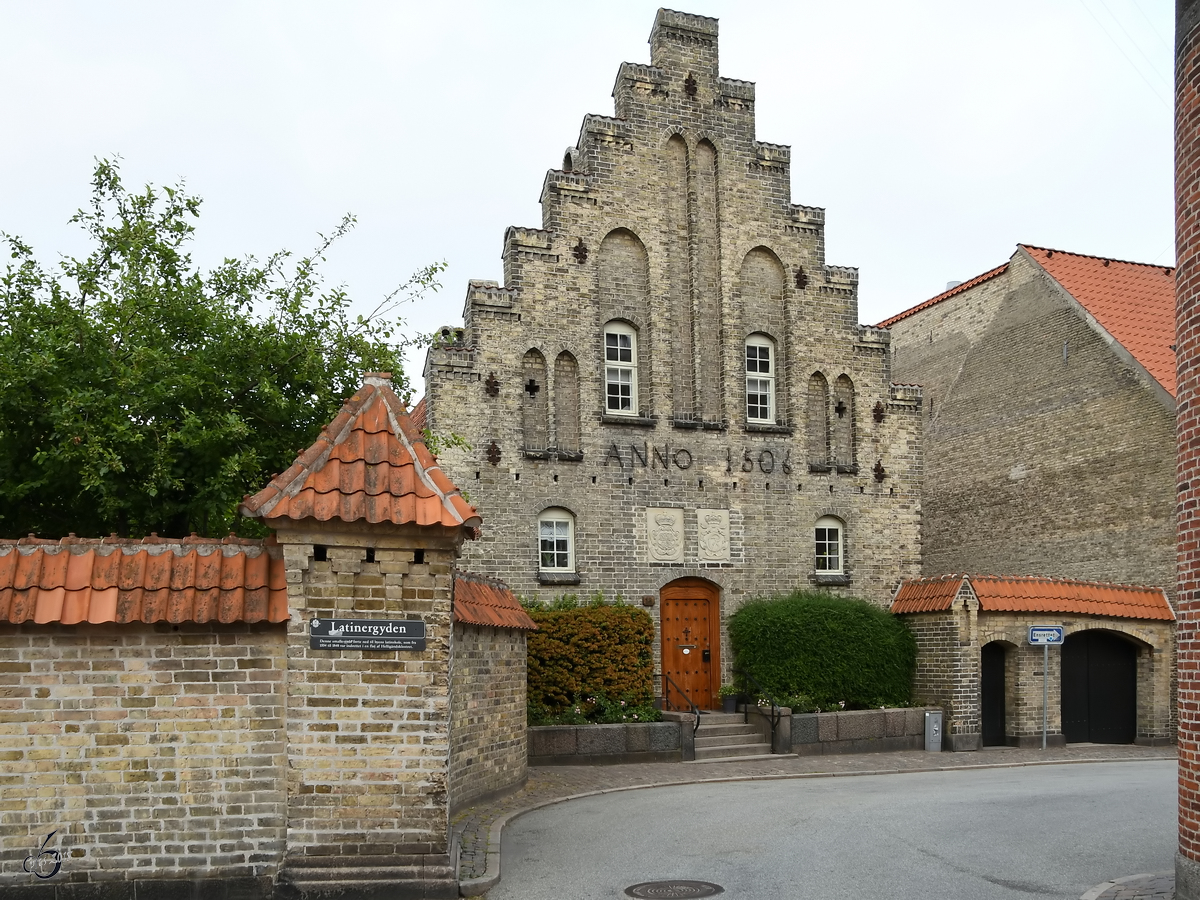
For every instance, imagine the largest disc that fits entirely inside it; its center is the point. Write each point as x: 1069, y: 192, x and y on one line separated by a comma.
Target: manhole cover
x: 674, y: 889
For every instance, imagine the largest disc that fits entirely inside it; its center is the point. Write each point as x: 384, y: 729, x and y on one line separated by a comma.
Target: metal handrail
x: 776, y: 715
x: 667, y: 699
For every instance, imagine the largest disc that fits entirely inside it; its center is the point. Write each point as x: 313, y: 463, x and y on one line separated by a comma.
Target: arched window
x: 830, y: 559
x: 760, y: 379
x: 556, y: 540
x: 620, y: 370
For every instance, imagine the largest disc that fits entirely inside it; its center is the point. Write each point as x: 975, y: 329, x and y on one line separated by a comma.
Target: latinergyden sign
x: 366, y: 634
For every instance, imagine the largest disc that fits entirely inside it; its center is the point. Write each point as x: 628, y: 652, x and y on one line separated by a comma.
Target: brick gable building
x: 1049, y: 385
x: 670, y: 397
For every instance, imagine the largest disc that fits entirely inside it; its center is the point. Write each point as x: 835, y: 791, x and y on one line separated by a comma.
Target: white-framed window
x: 830, y: 558
x: 620, y: 370
x: 556, y: 540
x: 760, y: 379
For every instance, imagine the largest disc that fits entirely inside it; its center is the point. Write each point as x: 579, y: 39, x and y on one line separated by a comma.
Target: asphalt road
x: 988, y: 834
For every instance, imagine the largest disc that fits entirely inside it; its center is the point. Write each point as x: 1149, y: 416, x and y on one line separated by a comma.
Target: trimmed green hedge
x: 825, y: 651
x: 590, y: 663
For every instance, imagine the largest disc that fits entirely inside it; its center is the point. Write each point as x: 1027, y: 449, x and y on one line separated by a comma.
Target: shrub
x: 825, y: 651
x: 590, y: 658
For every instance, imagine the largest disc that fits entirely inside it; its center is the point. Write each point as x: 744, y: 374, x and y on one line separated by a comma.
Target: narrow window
x: 829, y: 559
x: 620, y: 370
x: 760, y: 379
x: 556, y: 541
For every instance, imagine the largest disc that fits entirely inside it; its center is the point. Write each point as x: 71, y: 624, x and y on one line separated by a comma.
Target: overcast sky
x: 937, y: 135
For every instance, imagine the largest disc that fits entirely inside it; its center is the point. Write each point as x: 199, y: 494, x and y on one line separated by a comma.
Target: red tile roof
x: 485, y: 601
x: 369, y: 464
x: 957, y: 289
x: 1134, y: 302
x: 112, y: 580
x: 1034, y: 593
x: 926, y: 594
x: 420, y: 415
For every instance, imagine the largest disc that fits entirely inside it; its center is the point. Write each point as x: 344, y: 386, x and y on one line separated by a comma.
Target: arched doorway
x: 1099, y: 688
x: 992, y: 694
x: 690, y: 631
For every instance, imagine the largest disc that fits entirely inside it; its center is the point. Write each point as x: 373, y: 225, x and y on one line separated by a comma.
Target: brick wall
x: 155, y: 751
x: 368, y: 732
x: 488, y: 734
x: 1045, y: 451
x: 1187, y: 280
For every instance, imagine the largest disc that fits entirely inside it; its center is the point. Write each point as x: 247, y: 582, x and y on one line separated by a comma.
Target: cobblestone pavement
x: 478, y: 828
x: 1135, y: 887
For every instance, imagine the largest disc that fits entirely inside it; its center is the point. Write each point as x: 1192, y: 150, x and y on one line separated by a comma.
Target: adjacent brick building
x: 1049, y: 386
x: 165, y: 712
x: 670, y: 398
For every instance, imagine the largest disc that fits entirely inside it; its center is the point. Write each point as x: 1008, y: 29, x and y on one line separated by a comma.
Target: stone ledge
x: 574, y: 745
x: 858, y: 731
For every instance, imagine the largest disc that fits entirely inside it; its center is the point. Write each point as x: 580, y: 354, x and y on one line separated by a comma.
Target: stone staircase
x: 727, y: 736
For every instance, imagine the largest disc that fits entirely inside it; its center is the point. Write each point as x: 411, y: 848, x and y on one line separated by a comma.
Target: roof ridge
x: 945, y: 295
x: 1127, y: 262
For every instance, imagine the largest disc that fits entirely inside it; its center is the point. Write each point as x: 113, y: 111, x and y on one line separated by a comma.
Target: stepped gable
x: 488, y: 601
x: 196, y: 579
x: 1035, y: 593
x: 370, y: 464
x: 1133, y: 302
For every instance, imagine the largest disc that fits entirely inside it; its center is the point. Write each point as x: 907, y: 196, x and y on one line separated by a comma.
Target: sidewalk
x: 478, y: 828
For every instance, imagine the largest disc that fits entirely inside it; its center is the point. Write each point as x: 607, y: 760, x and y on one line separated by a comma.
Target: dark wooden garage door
x: 1099, y: 689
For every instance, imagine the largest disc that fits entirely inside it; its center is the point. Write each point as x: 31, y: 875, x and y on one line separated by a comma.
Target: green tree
x: 139, y: 394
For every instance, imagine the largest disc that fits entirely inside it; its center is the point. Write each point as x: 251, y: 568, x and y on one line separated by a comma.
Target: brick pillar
x: 1187, y: 280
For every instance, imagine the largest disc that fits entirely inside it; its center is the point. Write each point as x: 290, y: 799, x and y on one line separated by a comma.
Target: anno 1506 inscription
x: 764, y: 459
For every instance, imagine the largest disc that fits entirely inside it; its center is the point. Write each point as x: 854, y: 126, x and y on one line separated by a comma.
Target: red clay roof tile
x: 1035, y: 593
x: 486, y: 601
x: 926, y: 594
x: 1134, y: 302
x: 369, y: 464
x: 79, y: 580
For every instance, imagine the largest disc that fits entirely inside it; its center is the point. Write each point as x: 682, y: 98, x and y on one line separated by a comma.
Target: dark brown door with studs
x: 690, y: 631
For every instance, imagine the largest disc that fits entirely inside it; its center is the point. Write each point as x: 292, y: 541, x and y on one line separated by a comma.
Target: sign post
x: 1045, y: 635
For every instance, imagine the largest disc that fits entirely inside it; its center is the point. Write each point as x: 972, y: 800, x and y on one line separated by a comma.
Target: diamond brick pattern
x: 78, y: 580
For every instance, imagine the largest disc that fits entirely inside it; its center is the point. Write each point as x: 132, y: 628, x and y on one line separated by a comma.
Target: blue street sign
x: 1044, y: 635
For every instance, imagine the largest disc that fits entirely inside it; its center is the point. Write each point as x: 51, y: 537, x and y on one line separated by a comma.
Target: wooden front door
x: 690, y: 628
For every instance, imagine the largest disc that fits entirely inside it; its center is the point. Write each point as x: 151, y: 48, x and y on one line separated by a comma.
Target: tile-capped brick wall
x: 488, y: 734
x: 156, y: 751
